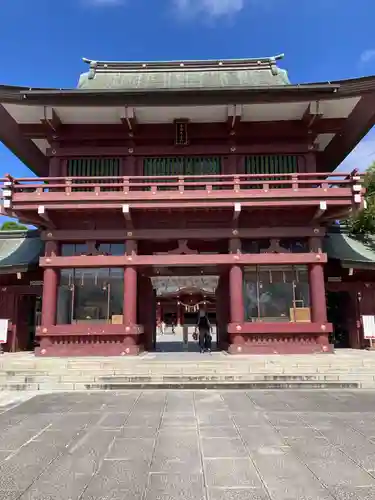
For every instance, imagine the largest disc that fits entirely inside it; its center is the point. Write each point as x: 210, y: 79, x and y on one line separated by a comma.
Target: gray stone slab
x: 114, y: 420
x: 4, y: 455
x: 219, y: 432
x: 292, y: 492
x: 10, y: 495
x: 138, y: 431
x: 146, y: 419
x: 70, y: 486
x: 116, y: 480
x: 276, y: 465
x: 256, y: 438
x: 231, y: 473
x: 150, y: 445
x: 132, y: 450
x: 176, y: 453
x: 238, y: 494
x: 184, y: 421
x: 212, y: 418
x: 341, y: 473
x: 185, y: 486
x: 223, y: 447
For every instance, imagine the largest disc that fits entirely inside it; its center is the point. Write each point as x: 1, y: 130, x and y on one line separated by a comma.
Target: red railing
x: 154, y: 184
x: 339, y: 188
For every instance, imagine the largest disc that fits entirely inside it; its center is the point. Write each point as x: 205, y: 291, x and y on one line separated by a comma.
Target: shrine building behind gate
x: 189, y: 168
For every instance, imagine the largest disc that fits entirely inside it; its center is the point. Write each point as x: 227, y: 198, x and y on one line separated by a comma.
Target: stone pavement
x: 190, y: 445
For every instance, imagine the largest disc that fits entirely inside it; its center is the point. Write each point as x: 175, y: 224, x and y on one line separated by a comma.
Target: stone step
x: 183, y: 385
x: 20, y: 379
x: 194, y: 380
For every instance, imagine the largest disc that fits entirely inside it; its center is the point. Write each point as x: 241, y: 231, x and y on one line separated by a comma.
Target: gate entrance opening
x: 178, y: 302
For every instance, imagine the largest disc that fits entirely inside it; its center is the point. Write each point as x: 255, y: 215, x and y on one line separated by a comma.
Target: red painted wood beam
x: 168, y: 150
x: 12, y: 137
x: 166, y: 131
x: 51, y: 121
x: 181, y: 260
x: 189, y: 234
x: 129, y: 120
x: 259, y: 328
x: 165, y: 199
x: 359, y: 122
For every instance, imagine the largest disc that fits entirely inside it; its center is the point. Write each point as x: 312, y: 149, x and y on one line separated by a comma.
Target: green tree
x: 363, y: 222
x: 11, y: 225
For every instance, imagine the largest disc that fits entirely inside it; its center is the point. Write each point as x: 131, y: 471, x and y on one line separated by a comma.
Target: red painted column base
x: 283, y: 338
x: 72, y: 347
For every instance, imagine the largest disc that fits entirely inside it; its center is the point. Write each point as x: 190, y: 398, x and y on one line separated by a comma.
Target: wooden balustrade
x: 226, y: 186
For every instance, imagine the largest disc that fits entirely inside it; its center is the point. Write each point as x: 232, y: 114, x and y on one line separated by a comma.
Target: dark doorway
x: 27, y: 318
x: 338, y: 305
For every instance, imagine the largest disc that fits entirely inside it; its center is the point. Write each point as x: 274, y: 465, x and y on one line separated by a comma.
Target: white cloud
x: 367, y: 56
x: 214, y: 8
x: 362, y: 156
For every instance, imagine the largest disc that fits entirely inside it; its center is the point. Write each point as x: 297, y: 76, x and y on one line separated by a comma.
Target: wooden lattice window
x: 184, y: 166
x: 95, y: 167
x: 271, y: 165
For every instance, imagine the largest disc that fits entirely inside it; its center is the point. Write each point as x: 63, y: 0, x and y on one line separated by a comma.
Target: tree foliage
x: 364, y: 222
x: 11, y: 225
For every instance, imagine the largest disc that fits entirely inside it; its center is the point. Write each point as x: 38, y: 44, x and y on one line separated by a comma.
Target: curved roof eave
x: 134, y: 96
x: 342, y: 88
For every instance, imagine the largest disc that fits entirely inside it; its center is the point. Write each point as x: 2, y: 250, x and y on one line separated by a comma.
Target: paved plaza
x: 190, y: 445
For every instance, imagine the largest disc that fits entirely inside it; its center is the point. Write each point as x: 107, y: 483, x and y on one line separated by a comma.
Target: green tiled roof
x: 19, y: 250
x: 183, y: 75
x: 352, y: 252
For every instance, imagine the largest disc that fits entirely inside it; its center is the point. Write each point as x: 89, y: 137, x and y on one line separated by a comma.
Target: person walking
x: 204, y: 328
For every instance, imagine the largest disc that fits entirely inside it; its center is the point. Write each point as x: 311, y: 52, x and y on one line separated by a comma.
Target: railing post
x: 126, y: 186
x: 68, y: 186
x: 295, y: 182
x: 181, y: 184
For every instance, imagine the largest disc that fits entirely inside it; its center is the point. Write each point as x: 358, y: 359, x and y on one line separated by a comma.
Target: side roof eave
x: 358, y: 253
x: 19, y: 251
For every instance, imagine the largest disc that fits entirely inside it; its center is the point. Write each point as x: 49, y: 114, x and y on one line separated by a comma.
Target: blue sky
x: 42, y: 42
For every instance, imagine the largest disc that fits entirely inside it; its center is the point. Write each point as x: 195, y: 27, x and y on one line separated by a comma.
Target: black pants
x: 204, y: 339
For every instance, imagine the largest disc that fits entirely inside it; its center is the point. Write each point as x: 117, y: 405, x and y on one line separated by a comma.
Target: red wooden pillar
x: 318, y: 299
x: 236, y: 295
x: 50, y: 282
x: 130, y: 296
x: 130, y: 288
x: 179, y: 315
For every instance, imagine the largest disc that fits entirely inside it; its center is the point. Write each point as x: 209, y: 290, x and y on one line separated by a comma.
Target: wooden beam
x: 43, y: 214
x: 320, y: 211
x: 234, y: 117
x: 359, y: 122
x: 12, y: 137
x: 312, y: 115
x: 189, y: 234
x: 51, y: 120
x: 236, y: 211
x: 128, y: 118
x: 166, y: 131
x: 127, y: 214
x: 168, y: 150
x: 183, y: 260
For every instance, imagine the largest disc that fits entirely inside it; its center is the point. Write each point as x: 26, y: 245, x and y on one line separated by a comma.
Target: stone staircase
x: 344, y: 369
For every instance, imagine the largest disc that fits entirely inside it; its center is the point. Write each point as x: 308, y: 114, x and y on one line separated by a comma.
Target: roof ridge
x: 187, y: 64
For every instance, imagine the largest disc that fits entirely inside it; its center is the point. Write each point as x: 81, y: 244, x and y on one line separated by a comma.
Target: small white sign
x: 4, y: 324
x: 368, y: 327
